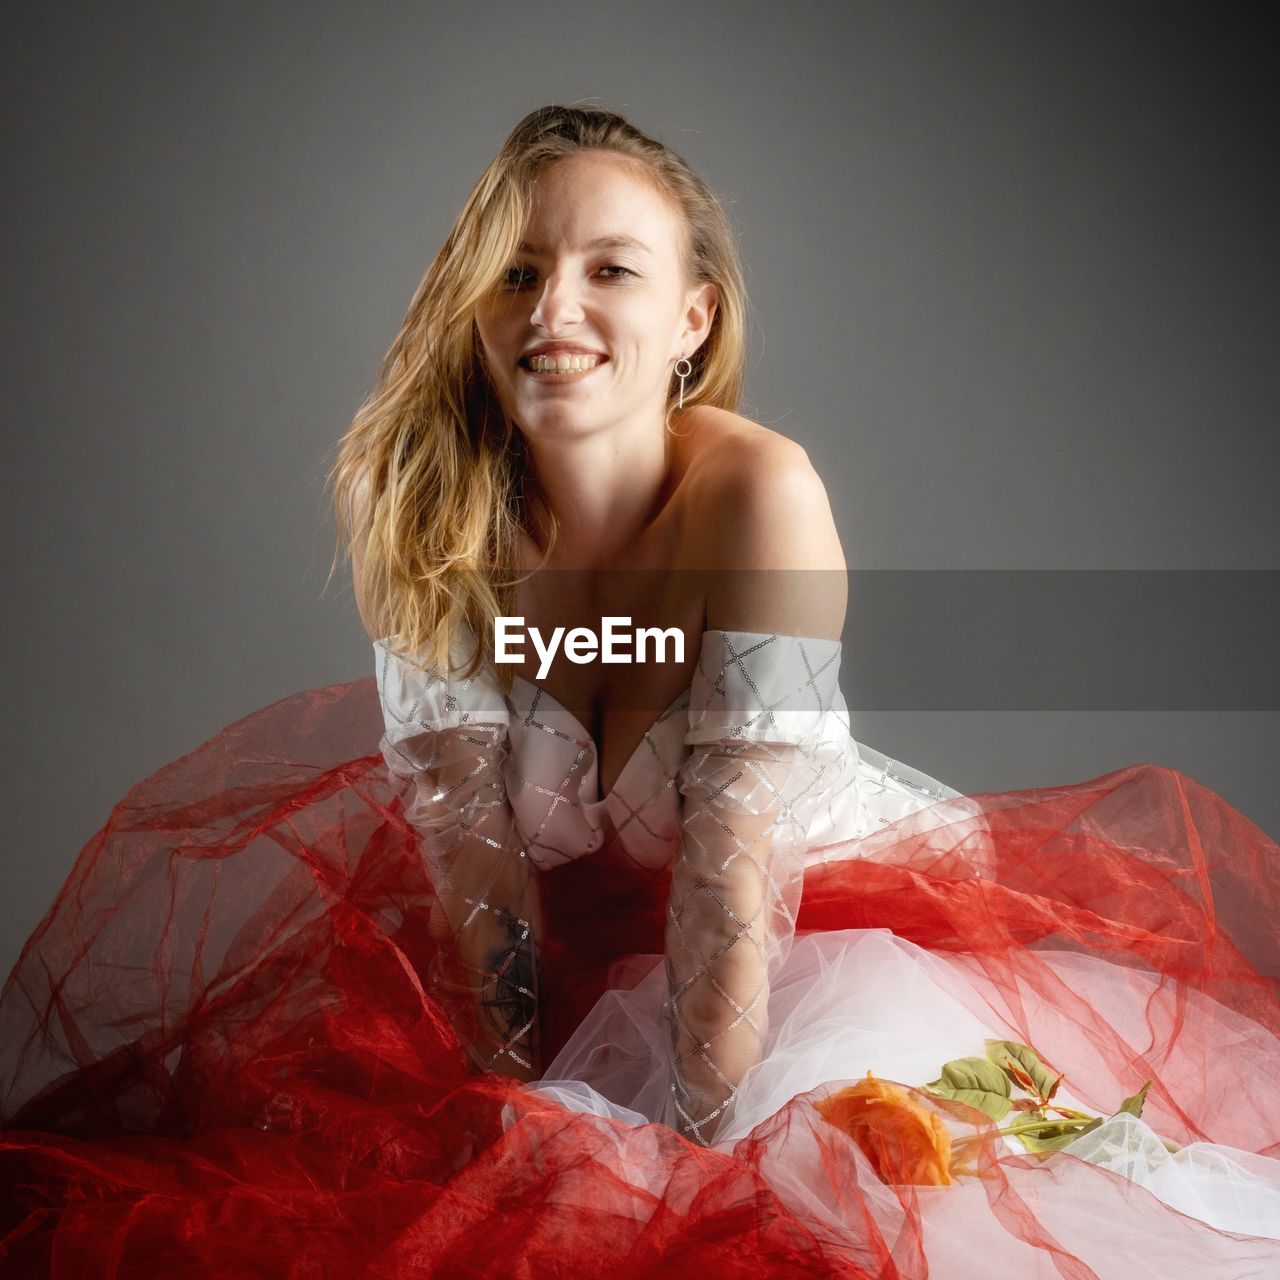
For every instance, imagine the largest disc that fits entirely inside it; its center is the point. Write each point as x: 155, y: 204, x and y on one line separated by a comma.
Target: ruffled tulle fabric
x: 223, y: 1054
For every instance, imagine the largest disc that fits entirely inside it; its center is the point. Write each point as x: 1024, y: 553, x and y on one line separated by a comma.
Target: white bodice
x: 747, y: 686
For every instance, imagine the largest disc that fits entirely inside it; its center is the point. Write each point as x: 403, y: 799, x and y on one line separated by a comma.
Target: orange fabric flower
x: 904, y: 1140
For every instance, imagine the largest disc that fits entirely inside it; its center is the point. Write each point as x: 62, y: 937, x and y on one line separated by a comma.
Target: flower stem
x: 1060, y: 1126
x: 1028, y: 1126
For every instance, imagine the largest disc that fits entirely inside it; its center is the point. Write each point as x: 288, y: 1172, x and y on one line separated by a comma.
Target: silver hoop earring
x: 683, y: 374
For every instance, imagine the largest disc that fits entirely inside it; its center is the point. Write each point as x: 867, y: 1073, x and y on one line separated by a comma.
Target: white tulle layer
x: 850, y: 1001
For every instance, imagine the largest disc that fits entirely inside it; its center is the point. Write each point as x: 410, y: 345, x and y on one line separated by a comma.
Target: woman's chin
x: 546, y: 421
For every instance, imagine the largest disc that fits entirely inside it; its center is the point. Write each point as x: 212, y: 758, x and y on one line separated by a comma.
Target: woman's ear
x: 700, y: 310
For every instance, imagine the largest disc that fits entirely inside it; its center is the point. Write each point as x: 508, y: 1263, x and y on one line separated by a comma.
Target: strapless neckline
x: 746, y: 687
x: 588, y: 740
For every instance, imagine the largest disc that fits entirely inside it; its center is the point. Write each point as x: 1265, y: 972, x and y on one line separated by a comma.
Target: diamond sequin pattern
x: 767, y: 747
x: 450, y: 747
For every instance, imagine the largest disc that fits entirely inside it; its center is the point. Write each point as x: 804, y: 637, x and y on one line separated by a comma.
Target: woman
x: 418, y: 1010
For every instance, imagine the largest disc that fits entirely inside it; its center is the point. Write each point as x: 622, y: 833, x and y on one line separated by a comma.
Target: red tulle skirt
x: 222, y: 1055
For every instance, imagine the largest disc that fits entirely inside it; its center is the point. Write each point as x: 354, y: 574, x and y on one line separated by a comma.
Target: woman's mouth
x: 560, y: 366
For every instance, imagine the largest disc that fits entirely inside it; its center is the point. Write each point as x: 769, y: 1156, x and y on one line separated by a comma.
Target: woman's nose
x: 558, y: 302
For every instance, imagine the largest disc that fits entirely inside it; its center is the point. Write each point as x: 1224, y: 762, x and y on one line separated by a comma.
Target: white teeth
x: 562, y: 362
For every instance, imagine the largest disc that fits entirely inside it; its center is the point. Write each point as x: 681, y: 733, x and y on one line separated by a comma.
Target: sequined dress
x: 281, y: 987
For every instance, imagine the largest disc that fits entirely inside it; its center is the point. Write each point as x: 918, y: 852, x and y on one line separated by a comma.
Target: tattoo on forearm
x: 512, y: 1002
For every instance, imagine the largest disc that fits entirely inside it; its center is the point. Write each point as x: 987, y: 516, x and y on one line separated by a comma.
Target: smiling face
x: 611, y: 317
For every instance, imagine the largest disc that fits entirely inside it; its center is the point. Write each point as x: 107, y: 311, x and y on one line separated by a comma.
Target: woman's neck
x: 604, y: 490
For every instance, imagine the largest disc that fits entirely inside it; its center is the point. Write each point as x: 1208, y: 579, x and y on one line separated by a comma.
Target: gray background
x: 1013, y: 286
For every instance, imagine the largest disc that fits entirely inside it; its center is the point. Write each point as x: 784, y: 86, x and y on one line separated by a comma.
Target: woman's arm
x: 486, y: 915
x: 778, y: 570
x: 729, y: 916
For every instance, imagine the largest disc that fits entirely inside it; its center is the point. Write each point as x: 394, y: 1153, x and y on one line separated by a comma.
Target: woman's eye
x: 518, y: 277
x: 515, y: 277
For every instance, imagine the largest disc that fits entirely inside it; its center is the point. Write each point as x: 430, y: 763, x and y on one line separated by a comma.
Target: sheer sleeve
x: 769, y: 744
x: 447, y: 739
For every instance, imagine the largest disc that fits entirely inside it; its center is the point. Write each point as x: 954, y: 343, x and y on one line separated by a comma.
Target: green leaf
x: 1055, y: 1141
x: 977, y: 1082
x: 1044, y: 1079
x: 1134, y: 1104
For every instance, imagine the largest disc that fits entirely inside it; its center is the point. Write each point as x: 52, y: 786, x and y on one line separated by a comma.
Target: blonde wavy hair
x: 432, y: 478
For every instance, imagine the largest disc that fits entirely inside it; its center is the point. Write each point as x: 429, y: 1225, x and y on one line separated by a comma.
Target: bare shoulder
x: 718, y: 437
x: 765, y: 532
x: 759, y: 500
